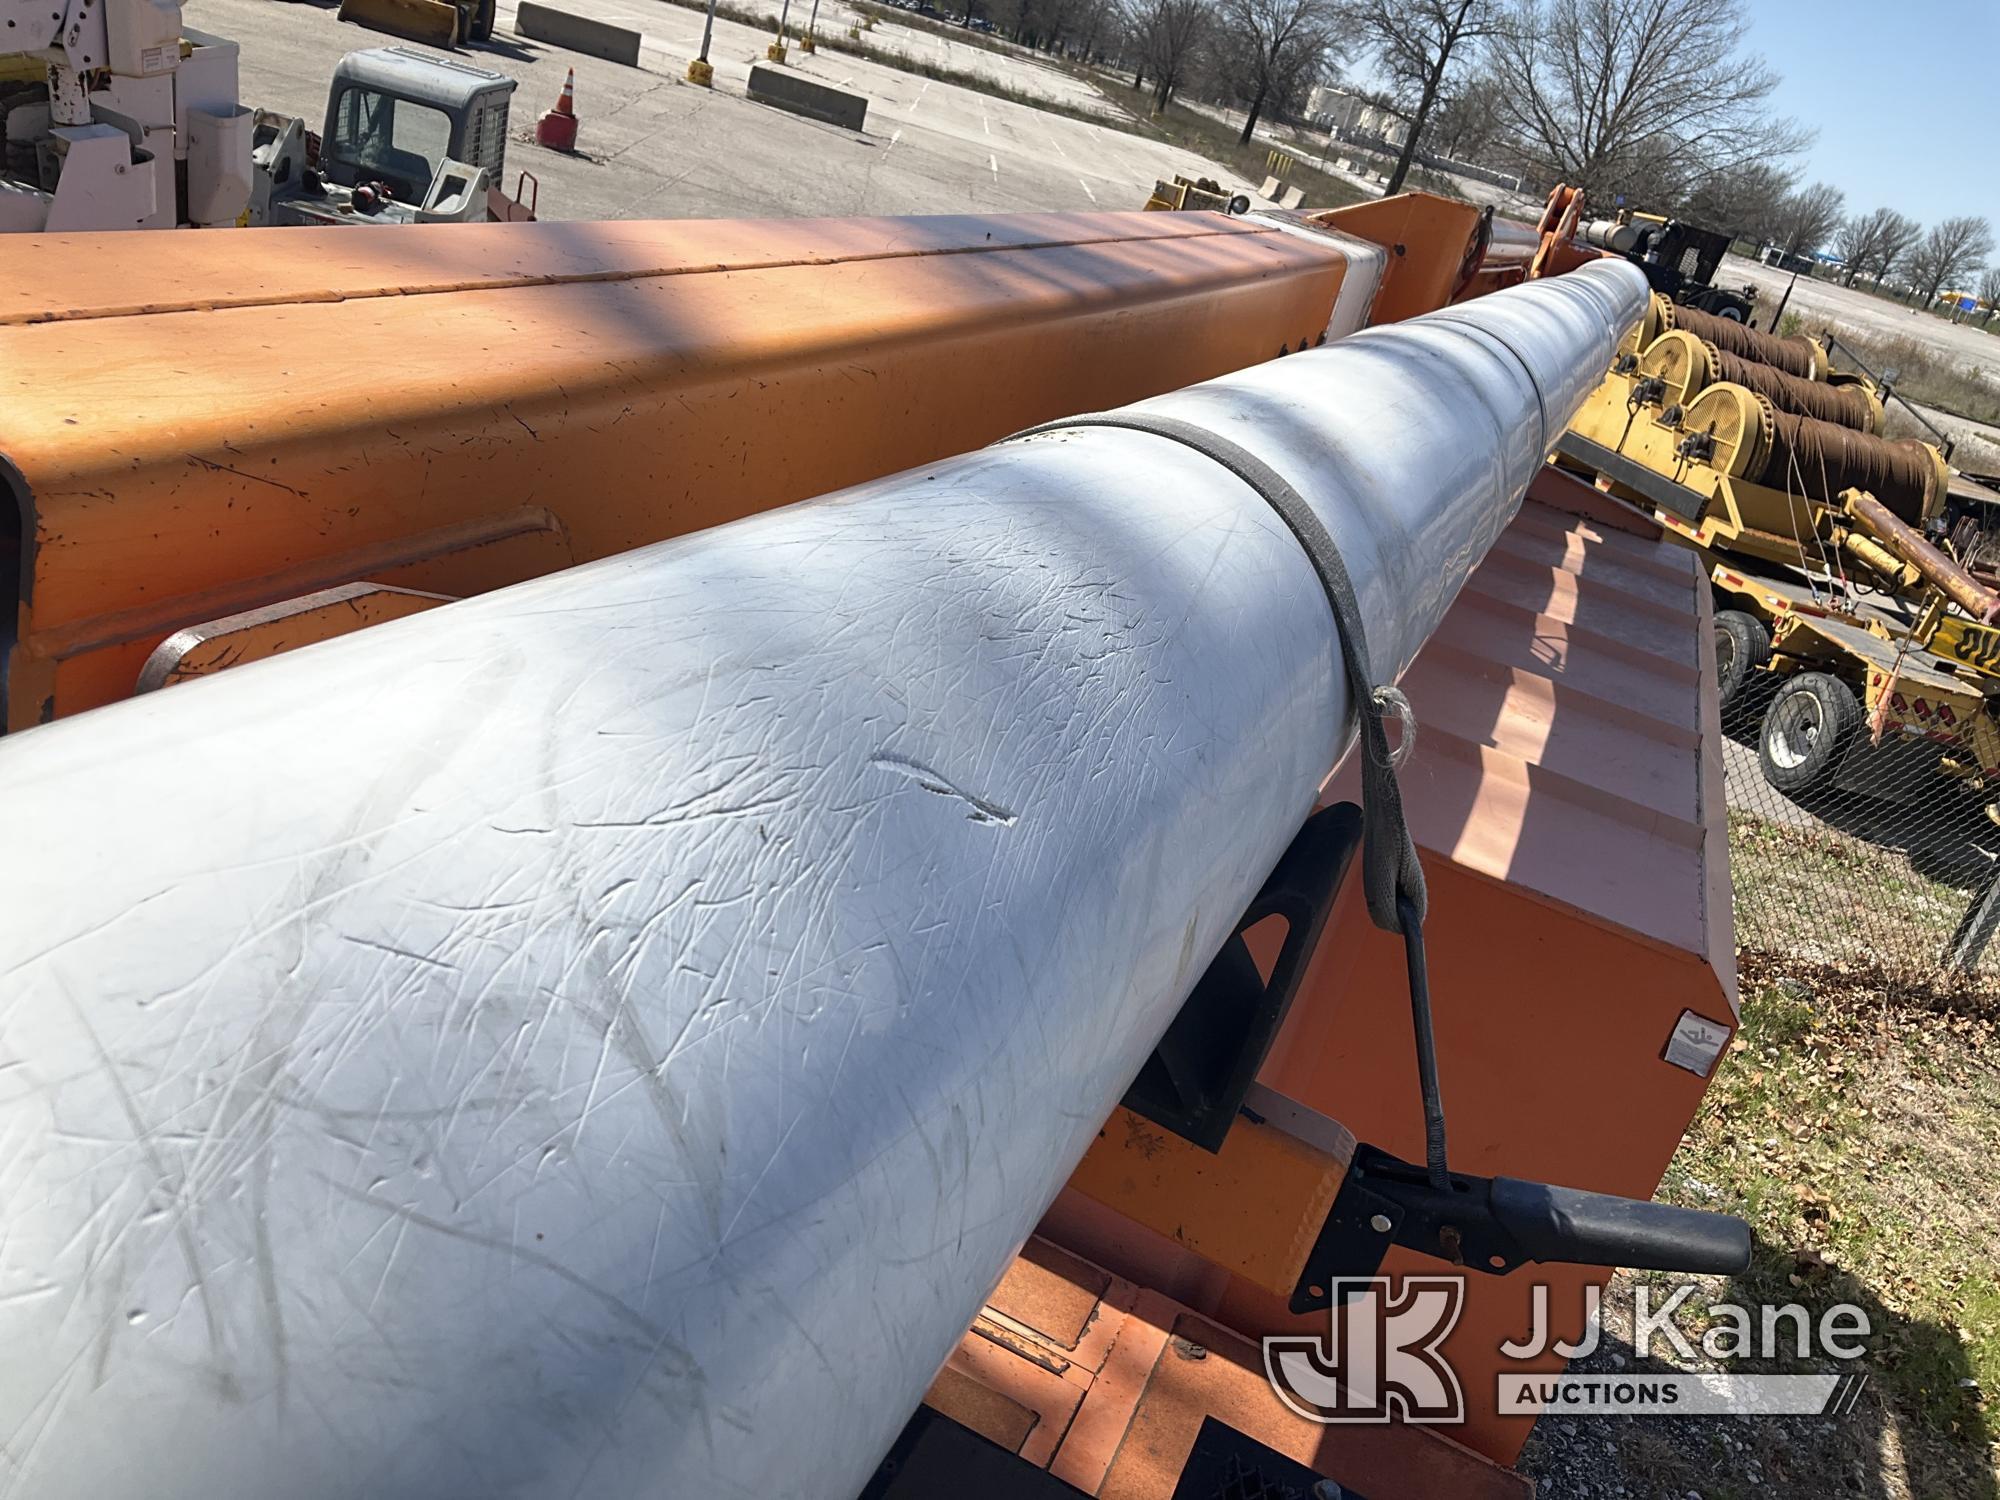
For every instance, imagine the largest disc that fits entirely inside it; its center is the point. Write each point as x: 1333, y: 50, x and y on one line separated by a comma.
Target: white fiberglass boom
x: 606, y: 1037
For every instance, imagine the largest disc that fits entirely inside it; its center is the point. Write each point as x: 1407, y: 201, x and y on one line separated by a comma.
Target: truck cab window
x: 380, y: 136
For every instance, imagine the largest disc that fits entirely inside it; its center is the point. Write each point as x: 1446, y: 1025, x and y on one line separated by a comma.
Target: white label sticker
x: 158, y: 60
x: 1696, y: 1043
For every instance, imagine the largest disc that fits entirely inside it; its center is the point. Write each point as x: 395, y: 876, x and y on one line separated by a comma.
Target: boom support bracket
x: 1198, y: 1075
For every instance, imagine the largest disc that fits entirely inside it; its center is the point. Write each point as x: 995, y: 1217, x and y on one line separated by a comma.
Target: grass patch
x: 742, y: 15
x: 1421, y: 178
x: 1856, y: 1124
x: 1902, y: 299
x: 896, y: 57
x: 1825, y: 896
x: 951, y: 31
x: 1126, y: 109
x: 1932, y: 376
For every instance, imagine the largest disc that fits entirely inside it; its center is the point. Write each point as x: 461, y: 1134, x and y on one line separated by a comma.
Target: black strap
x: 1392, y: 879
x: 1390, y: 872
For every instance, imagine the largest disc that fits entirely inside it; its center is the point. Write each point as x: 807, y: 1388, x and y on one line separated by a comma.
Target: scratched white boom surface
x: 606, y: 1037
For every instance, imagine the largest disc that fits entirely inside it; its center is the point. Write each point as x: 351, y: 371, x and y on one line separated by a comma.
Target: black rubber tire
x: 1742, y: 646
x: 482, y: 21
x: 1807, y: 729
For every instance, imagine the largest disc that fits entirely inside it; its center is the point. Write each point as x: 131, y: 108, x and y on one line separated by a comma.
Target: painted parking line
x: 1086, y: 187
x: 995, y: 166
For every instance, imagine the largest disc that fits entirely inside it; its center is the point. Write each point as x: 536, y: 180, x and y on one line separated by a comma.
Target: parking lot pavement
x: 654, y: 146
x: 1867, y: 315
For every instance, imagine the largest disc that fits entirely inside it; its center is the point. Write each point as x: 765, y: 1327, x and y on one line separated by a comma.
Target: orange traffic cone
x: 557, y: 128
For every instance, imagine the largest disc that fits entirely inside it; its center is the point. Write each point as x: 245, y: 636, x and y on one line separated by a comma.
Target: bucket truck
x: 122, y: 118
x: 140, y: 128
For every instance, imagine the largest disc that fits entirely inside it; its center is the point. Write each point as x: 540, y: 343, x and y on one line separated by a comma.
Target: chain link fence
x: 1856, y: 839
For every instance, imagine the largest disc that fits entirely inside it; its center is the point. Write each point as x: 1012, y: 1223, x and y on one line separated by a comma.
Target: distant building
x: 1351, y: 117
x: 1775, y: 256
x: 1353, y: 120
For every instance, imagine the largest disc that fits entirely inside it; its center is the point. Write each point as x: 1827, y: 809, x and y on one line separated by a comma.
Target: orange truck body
x: 453, y: 408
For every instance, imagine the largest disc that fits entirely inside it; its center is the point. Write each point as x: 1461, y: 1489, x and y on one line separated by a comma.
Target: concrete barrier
x: 577, y: 33
x: 782, y: 90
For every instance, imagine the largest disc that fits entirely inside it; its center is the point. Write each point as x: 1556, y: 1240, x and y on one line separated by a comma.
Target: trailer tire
x: 1807, y: 729
x: 482, y: 21
x: 1742, y: 646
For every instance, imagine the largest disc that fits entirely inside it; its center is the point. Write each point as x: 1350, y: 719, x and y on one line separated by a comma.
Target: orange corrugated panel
x: 1566, y: 797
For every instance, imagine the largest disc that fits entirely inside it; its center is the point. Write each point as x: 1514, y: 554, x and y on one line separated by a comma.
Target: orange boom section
x: 449, y: 409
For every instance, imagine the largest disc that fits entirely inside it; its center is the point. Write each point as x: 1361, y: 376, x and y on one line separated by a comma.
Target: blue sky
x: 1905, y: 96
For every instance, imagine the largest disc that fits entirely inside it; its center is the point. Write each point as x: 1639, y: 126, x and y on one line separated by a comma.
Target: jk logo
x: 1380, y: 1357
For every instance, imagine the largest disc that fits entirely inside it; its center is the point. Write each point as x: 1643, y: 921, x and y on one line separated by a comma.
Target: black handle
x: 1598, y: 1229
x: 1498, y: 1224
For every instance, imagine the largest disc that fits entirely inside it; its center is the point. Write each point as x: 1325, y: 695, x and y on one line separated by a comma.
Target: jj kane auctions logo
x: 1382, y: 1358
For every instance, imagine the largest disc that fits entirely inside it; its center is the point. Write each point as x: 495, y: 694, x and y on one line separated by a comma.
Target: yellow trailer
x: 1857, y: 634
x: 1842, y: 681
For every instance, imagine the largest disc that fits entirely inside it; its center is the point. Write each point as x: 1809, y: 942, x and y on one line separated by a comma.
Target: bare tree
x: 1169, y: 33
x: 1747, y: 200
x: 1093, y: 27
x: 1859, y: 238
x: 1277, y: 41
x: 1417, y: 43
x: 1989, y: 293
x: 1808, y: 217
x: 1951, y: 251
x: 1642, y: 98
x: 1049, y: 24
x: 1898, y: 237
x: 1466, y: 123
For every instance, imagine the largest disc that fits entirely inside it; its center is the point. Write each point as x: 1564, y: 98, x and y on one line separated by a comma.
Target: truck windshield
x: 396, y: 140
